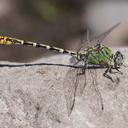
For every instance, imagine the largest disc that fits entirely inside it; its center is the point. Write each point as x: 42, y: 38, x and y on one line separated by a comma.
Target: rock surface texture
x: 34, y: 97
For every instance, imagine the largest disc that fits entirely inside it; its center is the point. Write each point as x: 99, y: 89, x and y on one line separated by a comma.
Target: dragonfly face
x: 118, y: 59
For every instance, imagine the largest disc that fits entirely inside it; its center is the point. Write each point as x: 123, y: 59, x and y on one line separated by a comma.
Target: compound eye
x: 118, y: 58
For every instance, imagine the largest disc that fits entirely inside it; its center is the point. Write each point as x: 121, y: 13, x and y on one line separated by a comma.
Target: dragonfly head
x: 118, y: 59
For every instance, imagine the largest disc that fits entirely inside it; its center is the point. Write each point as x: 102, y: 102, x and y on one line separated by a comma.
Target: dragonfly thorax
x: 100, y: 55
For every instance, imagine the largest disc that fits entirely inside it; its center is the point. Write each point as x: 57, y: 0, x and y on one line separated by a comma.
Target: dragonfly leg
x: 110, y: 71
x: 106, y: 74
x: 119, y: 71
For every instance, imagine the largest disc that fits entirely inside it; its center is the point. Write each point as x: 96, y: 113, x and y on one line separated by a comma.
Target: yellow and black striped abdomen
x: 4, y: 40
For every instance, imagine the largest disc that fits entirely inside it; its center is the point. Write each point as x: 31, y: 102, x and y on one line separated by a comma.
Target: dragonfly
x: 98, y: 55
x: 94, y: 56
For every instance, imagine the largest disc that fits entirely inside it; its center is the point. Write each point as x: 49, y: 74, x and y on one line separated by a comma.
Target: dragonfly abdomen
x: 10, y: 41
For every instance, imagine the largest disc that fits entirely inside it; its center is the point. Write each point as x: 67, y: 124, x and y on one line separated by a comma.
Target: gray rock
x: 34, y: 97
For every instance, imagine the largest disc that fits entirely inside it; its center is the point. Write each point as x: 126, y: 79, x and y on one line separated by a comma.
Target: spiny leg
x: 109, y: 70
x: 119, y: 72
x: 105, y: 74
x: 117, y: 69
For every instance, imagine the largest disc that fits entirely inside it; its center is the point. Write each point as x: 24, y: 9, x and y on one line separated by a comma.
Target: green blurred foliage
x: 48, y: 11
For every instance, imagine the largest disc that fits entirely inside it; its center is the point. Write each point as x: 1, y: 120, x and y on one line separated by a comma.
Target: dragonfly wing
x: 95, y: 86
x: 82, y: 81
x: 70, y: 88
x: 95, y: 40
x: 101, y: 37
x: 83, y: 41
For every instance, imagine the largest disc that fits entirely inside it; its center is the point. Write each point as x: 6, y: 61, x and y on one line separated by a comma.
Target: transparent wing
x: 70, y: 87
x: 101, y: 37
x: 84, y: 40
x: 71, y: 82
x: 97, y: 39
x: 95, y: 86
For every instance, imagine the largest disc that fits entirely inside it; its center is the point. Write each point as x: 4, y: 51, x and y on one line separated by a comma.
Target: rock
x: 33, y: 96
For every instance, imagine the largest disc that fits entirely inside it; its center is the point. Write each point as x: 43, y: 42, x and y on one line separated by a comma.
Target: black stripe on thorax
x: 104, y: 52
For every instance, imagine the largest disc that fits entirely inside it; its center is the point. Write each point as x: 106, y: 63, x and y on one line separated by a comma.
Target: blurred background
x: 59, y: 23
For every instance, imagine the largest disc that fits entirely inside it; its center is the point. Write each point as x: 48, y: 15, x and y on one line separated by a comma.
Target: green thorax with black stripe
x: 98, y: 55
